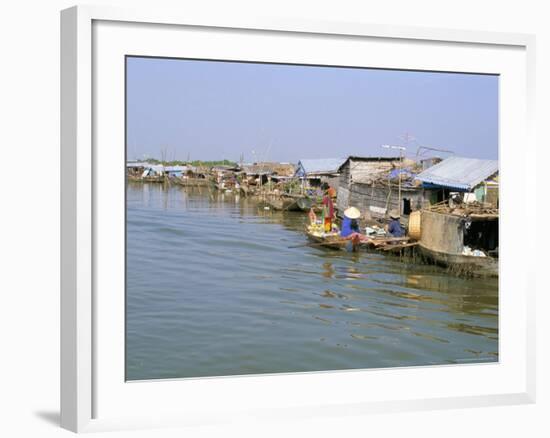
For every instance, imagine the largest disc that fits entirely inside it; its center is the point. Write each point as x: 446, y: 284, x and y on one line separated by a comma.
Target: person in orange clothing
x: 328, y: 207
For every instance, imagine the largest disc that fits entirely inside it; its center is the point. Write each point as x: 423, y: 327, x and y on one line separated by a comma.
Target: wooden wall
x: 358, y: 171
x: 378, y: 201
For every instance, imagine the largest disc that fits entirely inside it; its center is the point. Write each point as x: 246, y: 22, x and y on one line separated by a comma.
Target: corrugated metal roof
x: 137, y: 164
x: 459, y: 172
x: 156, y: 167
x: 320, y: 165
x: 175, y: 168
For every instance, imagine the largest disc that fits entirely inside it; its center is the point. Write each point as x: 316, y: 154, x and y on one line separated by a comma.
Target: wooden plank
x: 403, y: 245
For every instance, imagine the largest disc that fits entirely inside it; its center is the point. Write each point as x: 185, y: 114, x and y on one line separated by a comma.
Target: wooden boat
x: 194, y: 182
x: 462, y: 264
x: 154, y: 179
x: 304, y: 204
x: 333, y: 240
x: 282, y: 202
x: 443, y: 232
x: 151, y: 179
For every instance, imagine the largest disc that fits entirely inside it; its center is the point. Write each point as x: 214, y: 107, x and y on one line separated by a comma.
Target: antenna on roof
x: 402, y: 150
x: 407, y: 137
x: 428, y: 148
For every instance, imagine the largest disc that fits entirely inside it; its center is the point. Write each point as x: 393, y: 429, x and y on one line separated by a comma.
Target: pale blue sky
x: 211, y: 110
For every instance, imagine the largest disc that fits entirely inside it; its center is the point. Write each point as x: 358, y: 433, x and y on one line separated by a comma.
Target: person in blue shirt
x: 350, y: 226
x: 394, y: 227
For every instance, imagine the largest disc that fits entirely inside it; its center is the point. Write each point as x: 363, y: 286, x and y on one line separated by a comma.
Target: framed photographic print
x: 280, y: 217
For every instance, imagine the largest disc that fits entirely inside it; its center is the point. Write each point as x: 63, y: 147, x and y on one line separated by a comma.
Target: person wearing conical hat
x: 395, y: 229
x: 350, y: 226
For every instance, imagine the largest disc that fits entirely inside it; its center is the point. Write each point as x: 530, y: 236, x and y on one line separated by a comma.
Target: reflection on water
x: 216, y: 286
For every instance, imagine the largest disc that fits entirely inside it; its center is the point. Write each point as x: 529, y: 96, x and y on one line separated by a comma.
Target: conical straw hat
x: 394, y: 214
x: 352, y: 213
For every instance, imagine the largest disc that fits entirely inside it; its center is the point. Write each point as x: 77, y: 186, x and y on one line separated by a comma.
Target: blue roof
x: 175, y: 168
x: 459, y: 173
x: 319, y: 165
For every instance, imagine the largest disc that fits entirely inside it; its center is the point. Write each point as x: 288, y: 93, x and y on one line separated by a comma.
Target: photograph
x: 296, y: 218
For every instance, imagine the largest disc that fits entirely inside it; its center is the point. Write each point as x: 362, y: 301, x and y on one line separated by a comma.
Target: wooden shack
x: 135, y: 169
x: 262, y: 172
x: 473, y: 178
x: 315, y: 171
x: 371, y: 184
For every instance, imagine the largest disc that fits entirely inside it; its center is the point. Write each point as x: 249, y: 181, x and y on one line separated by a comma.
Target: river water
x: 216, y: 286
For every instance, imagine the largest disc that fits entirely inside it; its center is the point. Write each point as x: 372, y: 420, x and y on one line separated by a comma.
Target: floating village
x: 429, y: 210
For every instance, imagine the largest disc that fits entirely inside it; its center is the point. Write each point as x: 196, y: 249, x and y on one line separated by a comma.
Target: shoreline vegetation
x: 198, y: 163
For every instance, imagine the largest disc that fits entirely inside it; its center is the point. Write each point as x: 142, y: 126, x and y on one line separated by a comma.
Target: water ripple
x: 213, y: 289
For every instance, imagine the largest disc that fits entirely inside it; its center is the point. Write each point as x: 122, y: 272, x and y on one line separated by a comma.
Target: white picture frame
x: 88, y: 377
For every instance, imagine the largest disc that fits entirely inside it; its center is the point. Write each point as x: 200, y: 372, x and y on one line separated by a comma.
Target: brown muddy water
x: 213, y: 289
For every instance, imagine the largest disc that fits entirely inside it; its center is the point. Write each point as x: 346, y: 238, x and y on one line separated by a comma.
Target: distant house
x: 270, y: 168
x: 265, y: 171
x: 254, y: 174
x: 318, y: 171
x: 153, y: 170
x: 224, y: 175
x: 460, y: 174
x: 175, y: 171
x: 195, y: 172
x: 136, y: 168
x: 224, y: 168
x: 371, y: 184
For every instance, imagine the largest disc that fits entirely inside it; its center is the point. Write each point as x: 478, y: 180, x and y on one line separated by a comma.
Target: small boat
x: 194, y: 182
x: 462, y: 264
x: 331, y: 240
x: 305, y: 204
x: 282, y: 202
x: 452, y: 252
x: 155, y: 179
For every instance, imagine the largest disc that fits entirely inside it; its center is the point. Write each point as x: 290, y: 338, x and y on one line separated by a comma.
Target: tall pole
x: 399, y: 176
x: 401, y: 149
